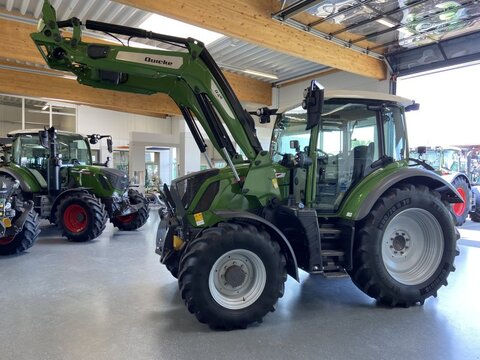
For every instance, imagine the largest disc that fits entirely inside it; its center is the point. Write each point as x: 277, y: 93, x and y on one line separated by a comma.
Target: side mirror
x: 294, y: 144
x: 313, y: 103
x: 93, y: 139
x: 413, y: 107
x: 422, y: 149
x: 43, y: 138
x: 110, y: 145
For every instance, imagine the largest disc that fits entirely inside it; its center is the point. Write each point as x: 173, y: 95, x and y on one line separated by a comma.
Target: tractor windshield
x: 72, y: 149
x: 352, y: 135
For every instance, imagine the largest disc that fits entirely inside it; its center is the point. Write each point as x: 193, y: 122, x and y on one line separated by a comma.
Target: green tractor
x: 336, y: 194
x: 56, y: 174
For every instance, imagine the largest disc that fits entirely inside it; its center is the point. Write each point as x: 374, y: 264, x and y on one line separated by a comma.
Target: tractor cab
x: 357, y: 134
x: 28, y: 152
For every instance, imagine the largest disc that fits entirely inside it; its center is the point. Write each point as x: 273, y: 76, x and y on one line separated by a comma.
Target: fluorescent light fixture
x: 259, y: 73
x: 45, y: 107
x: 163, y: 25
x: 386, y: 23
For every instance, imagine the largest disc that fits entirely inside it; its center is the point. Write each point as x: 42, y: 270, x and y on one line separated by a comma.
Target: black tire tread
x: 25, y: 238
x: 190, y: 260
x: 363, y: 274
x: 98, y: 221
x: 461, y: 182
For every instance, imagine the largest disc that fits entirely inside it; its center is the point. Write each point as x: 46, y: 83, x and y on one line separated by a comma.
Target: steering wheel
x: 323, y: 156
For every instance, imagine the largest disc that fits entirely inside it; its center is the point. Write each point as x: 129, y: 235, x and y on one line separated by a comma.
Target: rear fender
x: 275, y: 234
x: 28, y: 183
x: 415, y: 176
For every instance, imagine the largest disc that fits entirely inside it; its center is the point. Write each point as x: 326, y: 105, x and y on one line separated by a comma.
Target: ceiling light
x: 163, y: 25
x: 386, y: 23
x: 45, y: 107
x: 259, y: 73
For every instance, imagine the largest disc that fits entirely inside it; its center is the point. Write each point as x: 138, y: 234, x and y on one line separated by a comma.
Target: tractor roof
x: 358, y: 95
x: 35, y: 132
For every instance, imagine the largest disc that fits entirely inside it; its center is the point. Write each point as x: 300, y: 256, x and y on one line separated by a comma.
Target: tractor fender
x: 24, y: 185
x: 62, y: 195
x: 275, y: 233
x: 416, y: 176
x: 452, y: 177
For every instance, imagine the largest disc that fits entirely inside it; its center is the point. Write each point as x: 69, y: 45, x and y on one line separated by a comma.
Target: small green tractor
x: 55, y: 174
x: 336, y: 194
x: 452, y: 163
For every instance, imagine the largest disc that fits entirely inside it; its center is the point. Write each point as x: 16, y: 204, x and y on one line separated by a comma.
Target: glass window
x: 37, y: 114
x: 395, y: 136
x: 10, y: 114
x: 64, y: 118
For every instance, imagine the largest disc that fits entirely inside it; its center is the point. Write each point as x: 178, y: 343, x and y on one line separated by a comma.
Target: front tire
x: 24, y: 239
x: 460, y: 210
x: 232, y: 275
x: 81, y: 216
x: 406, y: 247
x: 136, y: 220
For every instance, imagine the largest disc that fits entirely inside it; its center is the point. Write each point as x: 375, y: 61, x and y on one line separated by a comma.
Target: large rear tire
x: 232, y: 275
x: 406, y: 248
x: 460, y: 210
x: 81, y: 216
x: 136, y: 220
x: 24, y: 239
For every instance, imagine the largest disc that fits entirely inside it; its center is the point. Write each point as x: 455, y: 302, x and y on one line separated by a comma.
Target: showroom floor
x: 111, y: 299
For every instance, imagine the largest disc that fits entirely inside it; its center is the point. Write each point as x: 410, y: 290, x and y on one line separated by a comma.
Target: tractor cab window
x: 27, y: 152
x: 347, y: 145
x: 73, y: 149
x: 394, y: 130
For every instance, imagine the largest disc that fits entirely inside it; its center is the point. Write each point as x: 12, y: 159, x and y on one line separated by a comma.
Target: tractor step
x: 335, y: 274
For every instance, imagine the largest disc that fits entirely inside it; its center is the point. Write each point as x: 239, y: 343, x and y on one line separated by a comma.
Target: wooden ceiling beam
x: 17, y: 46
x: 250, y: 20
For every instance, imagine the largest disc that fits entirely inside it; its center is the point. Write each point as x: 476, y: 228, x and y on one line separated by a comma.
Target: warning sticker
x: 199, y: 219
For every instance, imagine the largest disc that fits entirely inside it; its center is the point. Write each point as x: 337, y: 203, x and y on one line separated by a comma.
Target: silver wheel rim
x: 237, y: 279
x: 412, y: 246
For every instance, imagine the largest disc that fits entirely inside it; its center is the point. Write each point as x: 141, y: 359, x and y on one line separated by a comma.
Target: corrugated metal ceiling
x: 231, y: 54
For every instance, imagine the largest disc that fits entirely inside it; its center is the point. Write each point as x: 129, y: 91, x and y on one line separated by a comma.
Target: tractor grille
x: 188, y: 186
x: 118, y: 179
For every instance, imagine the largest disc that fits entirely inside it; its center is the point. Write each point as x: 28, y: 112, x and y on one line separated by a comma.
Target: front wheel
x: 406, y: 247
x: 81, y: 216
x: 460, y: 210
x: 135, y: 220
x: 232, y: 275
x: 25, y: 239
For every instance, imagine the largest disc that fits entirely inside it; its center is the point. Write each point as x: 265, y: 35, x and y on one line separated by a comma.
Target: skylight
x: 163, y: 25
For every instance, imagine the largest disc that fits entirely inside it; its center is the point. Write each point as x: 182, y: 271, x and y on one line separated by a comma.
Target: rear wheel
x: 460, y: 210
x: 81, y: 216
x: 406, y: 247
x: 25, y: 239
x: 232, y: 275
x: 136, y: 220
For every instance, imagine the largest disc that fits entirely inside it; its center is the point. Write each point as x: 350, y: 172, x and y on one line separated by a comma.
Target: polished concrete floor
x: 111, y: 299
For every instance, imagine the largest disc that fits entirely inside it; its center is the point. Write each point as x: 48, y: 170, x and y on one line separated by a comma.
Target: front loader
x: 336, y: 194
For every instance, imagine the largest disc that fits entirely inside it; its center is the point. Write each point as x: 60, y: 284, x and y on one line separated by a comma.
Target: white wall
x: 292, y: 95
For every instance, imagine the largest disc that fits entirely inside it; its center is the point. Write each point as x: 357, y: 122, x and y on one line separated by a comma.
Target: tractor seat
x: 41, y: 180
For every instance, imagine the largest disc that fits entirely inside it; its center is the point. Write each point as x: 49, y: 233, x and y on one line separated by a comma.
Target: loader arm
x: 189, y: 76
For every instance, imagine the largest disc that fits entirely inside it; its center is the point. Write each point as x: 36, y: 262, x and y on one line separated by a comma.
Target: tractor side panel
x: 92, y: 177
